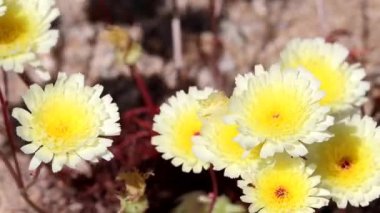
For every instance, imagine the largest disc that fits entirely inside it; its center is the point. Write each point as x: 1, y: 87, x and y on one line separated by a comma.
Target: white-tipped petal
x: 20, y: 47
x: 279, y: 109
x: 67, y: 118
x: 283, y: 185
x: 348, y: 163
x: 179, y: 120
x: 341, y: 82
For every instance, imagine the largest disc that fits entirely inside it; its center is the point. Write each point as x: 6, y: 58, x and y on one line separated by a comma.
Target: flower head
x: 279, y: 109
x: 349, y: 163
x: 341, y: 81
x: 284, y: 185
x: 66, y: 122
x: 177, y: 123
x: 24, y: 32
x: 215, y: 143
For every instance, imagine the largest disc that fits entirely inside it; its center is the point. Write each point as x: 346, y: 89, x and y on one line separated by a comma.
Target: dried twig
x: 177, y: 38
x: 365, y: 23
x: 177, y: 43
x: 320, y: 6
x: 215, y: 8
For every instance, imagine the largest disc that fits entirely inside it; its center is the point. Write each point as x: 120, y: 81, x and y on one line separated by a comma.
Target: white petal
x: 58, y: 162
x: 30, y: 148
x: 267, y: 150
x: 107, y: 156
x: 44, y: 154
x: 86, y: 154
x: 34, y: 163
x: 23, y: 116
x: 73, y: 160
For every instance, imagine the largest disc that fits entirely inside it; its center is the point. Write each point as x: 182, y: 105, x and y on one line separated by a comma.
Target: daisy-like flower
x: 24, y: 33
x: 285, y: 185
x: 216, y: 144
x: 279, y: 109
x: 67, y: 122
x: 349, y: 163
x: 177, y: 123
x: 2, y: 8
x: 341, y: 82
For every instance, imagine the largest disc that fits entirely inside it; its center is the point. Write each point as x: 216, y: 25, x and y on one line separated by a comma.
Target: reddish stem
x: 214, y: 194
x: 9, y: 167
x: 35, y: 177
x: 135, y: 112
x: 11, y: 139
x: 143, y: 89
x: 16, y: 175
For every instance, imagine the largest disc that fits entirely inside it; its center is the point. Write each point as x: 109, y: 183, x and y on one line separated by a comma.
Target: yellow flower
x: 279, y: 109
x: 341, y: 81
x: 24, y: 33
x: 349, y: 163
x: 177, y: 123
x: 285, y: 185
x: 216, y: 144
x: 66, y: 122
x: 2, y: 8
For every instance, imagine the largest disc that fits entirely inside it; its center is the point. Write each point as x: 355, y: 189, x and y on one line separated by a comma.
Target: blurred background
x: 184, y: 42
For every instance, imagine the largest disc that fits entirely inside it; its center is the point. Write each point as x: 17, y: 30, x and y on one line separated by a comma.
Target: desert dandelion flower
x: 177, y: 123
x: 283, y: 186
x: 279, y: 109
x: 341, y: 82
x: 67, y: 122
x: 25, y: 32
x: 215, y: 143
x: 349, y: 163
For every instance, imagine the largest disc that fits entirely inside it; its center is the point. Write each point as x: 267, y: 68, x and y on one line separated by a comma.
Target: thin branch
x: 143, y: 89
x: 16, y: 174
x: 215, y: 8
x: 181, y: 74
x: 9, y: 167
x: 320, y: 6
x: 177, y: 38
x: 9, y: 131
x: 6, y: 85
x: 365, y: 23
x: 35, y: 178
x: 214, y: 194
x: 26, y: 197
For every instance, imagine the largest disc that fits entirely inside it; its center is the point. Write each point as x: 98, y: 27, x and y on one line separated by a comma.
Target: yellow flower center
x: 17, y: 29
x: 277, y: 112
x: 224, y: 136
x: 345, y: 161
x: 281, y: 190
x: 66, y: 122
x: 187, y: 125
x: 332, y: 79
